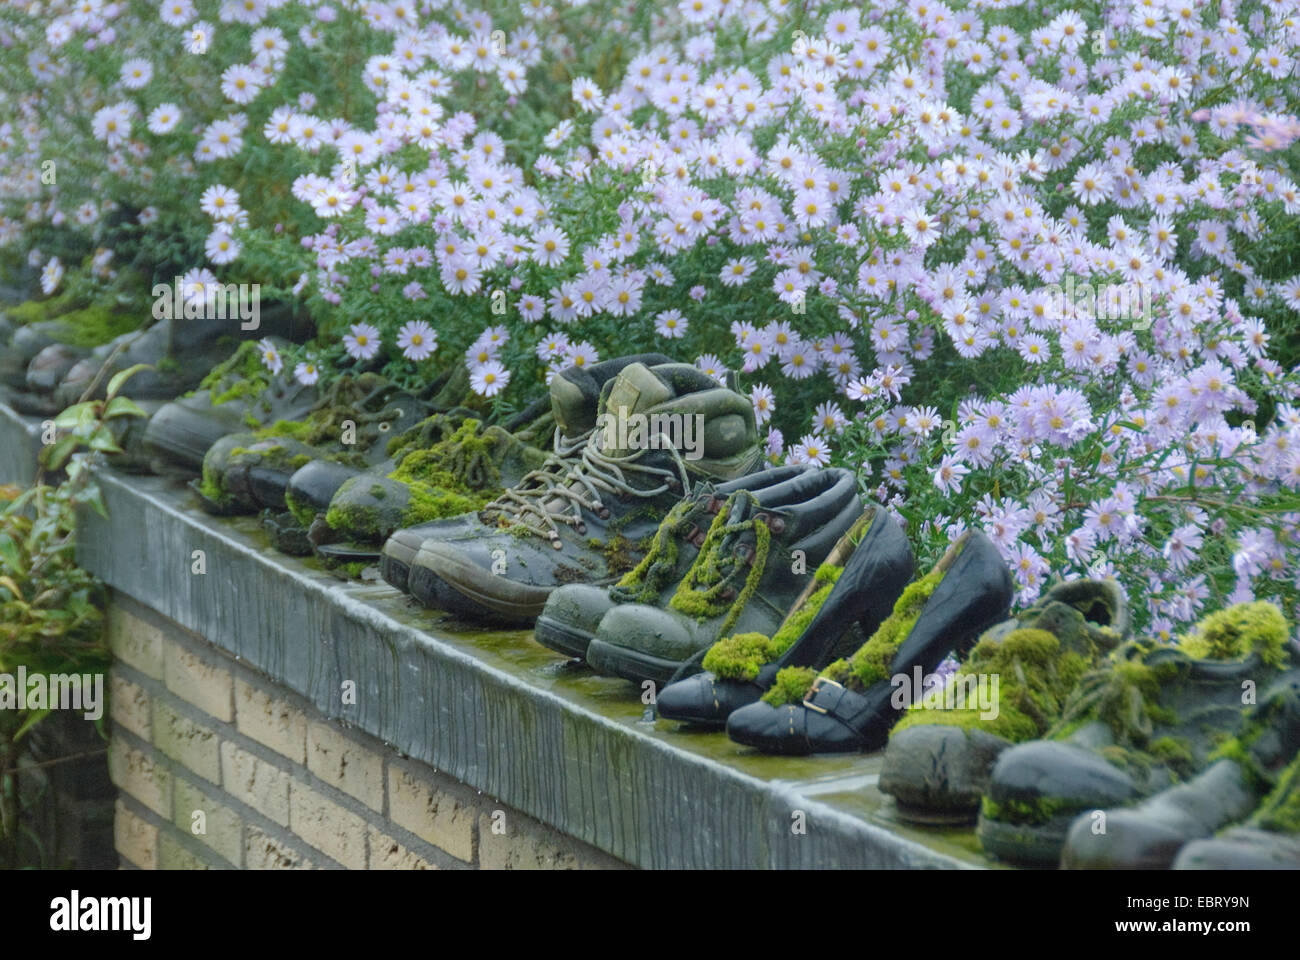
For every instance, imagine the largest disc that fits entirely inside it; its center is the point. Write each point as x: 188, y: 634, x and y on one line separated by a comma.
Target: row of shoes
x: 56, y: 349
x: 775, y: 603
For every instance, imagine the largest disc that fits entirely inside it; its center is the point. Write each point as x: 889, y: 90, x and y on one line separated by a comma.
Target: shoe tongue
x: 635, y: 390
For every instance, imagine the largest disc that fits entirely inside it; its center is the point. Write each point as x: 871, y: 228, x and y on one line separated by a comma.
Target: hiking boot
x: 851, y: 705
x: 1149, y: 717
x: 572, y: 401
x: 588, y: 517
x: 446, y: 465
x: 1269, y: 840
x: 850, y: 595
x: 754, y: 561
x: 1150, y: 835
x: 349, y: 427
x: 938, y: 760
x: 238, y: 395
x: 574, y: 611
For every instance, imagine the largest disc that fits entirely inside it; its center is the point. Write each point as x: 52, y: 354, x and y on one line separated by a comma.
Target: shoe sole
x: 927, y: 817
x: 434, y: 590
x: 562, y: 637
x: 605, y: 657
x: 1029, y: 843
x: 396, y: 573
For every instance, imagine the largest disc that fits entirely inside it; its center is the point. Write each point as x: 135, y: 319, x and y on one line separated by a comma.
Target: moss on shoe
x: 741, y: 656
x: 36, y: 311
x: 703, y: 592
x: 1237, y: 631
x: 1280, y: 810
x: 1035, y: 675
x: 791, y: 685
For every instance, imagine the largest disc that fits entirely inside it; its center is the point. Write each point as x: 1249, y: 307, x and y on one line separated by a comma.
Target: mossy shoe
x: 178, y: 354
x: 942, y: 750
x: 853, y: 702
x: 1256, y: 769
x: 451, y: 477
x: 1268, y: 840
x: 41, y: 354
x: 1151, y: 716
x: 589, y: 517
x: 851, y: 594
x: 350, y: 426
x: 755, y: 560
x: 573, y: 612
x: 572, y: 402
x: 238, y: 395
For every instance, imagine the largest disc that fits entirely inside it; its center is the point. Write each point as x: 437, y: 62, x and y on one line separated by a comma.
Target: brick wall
x: 217, y: 767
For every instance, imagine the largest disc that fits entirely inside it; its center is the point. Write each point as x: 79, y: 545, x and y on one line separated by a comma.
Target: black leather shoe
x: 973, y: 591
x: 874, y: 562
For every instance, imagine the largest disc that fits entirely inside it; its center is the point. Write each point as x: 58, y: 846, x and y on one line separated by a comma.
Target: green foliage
x: 51, y: 611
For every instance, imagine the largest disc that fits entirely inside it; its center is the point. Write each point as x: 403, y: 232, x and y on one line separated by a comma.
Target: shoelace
x: 720, y: 576
x: 644, y: 582
x: 580, y: 480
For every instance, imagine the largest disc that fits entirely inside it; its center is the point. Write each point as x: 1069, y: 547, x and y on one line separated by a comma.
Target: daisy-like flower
x: 197, y: 38
x: 271, y: 358
x: 220, y: 202
x: 811, y: 449
x: 764, y: 402
x: 581, y: 355
x: 306, y: 373
x: 490, y: 378
x: 221, y: 247
x: 671, y: 324
x: 417, y: 340
x: 163, y: 118
x: 587, y: 95
x: 949, y: 475
x: 136, y: 73
x: 712, y: 366
x: 176, y: 13
x: 240, y: 84
x: 363, y: 342
x: 51, y: 276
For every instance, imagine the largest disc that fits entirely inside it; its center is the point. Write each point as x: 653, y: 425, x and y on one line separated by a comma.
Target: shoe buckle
x: 817, y: 686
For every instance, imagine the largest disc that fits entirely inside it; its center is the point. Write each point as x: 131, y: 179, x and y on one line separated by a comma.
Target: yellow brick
x: 135, y: 839
x: 264, y: 852
x: 221, y: 828
x: 173, y: 856
x: 255, y: 782
x: 519, y: 844
x: 323, y: 824
x: 190, y: 744
x: 387, y: 854
x: 135, y: 642
x: 344, y: 764
x: 137, y: 773
x: 128, y: 705
x: 207, y: 685
x: 271, y: 722
x: 432, y: 815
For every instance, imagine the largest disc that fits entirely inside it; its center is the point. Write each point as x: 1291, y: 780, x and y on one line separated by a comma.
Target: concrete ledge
x: 20, y: 442
x: 494, y: 710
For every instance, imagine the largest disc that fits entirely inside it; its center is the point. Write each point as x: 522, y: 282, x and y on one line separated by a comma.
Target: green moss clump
x: 302, y: 512
x: 293, y: 429
x: 36, y: 311
x: 212, y: 487
x: 433, y: 503
x: 1237, y: 631
x: 1038, y: 811
x: 1176, y: 754
x: 653, y: 573
x: 702, y: 592
x: 741, y: 656
x: 1034, y: 678
x: 870, y: 664
x: 1280, y: 810
x: 93, y: 326
x: 790, y: 686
